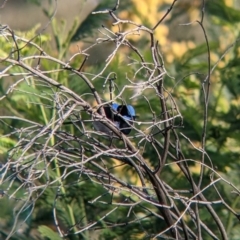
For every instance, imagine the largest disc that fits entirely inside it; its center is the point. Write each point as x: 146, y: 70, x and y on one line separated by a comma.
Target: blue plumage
x: 131, y: 111
x: 121, y: 115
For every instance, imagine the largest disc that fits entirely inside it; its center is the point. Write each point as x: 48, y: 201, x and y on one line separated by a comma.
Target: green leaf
x: 48, y: 233
x: 199, y: 50
x: 5, y: 144
x: 226, y: 14
x: 94, y: 21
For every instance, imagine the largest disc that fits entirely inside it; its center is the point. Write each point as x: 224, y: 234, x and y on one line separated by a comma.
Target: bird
x: 121, y: 115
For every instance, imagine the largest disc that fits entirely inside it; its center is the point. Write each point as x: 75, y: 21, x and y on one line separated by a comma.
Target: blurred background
x: 183, y: 46
x: 24, y: 14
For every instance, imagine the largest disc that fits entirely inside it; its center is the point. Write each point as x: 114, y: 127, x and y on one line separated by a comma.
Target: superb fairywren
x: 121, y: 115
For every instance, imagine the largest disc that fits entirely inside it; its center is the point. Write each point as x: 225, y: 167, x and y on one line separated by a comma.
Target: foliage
x: 174, y: 176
